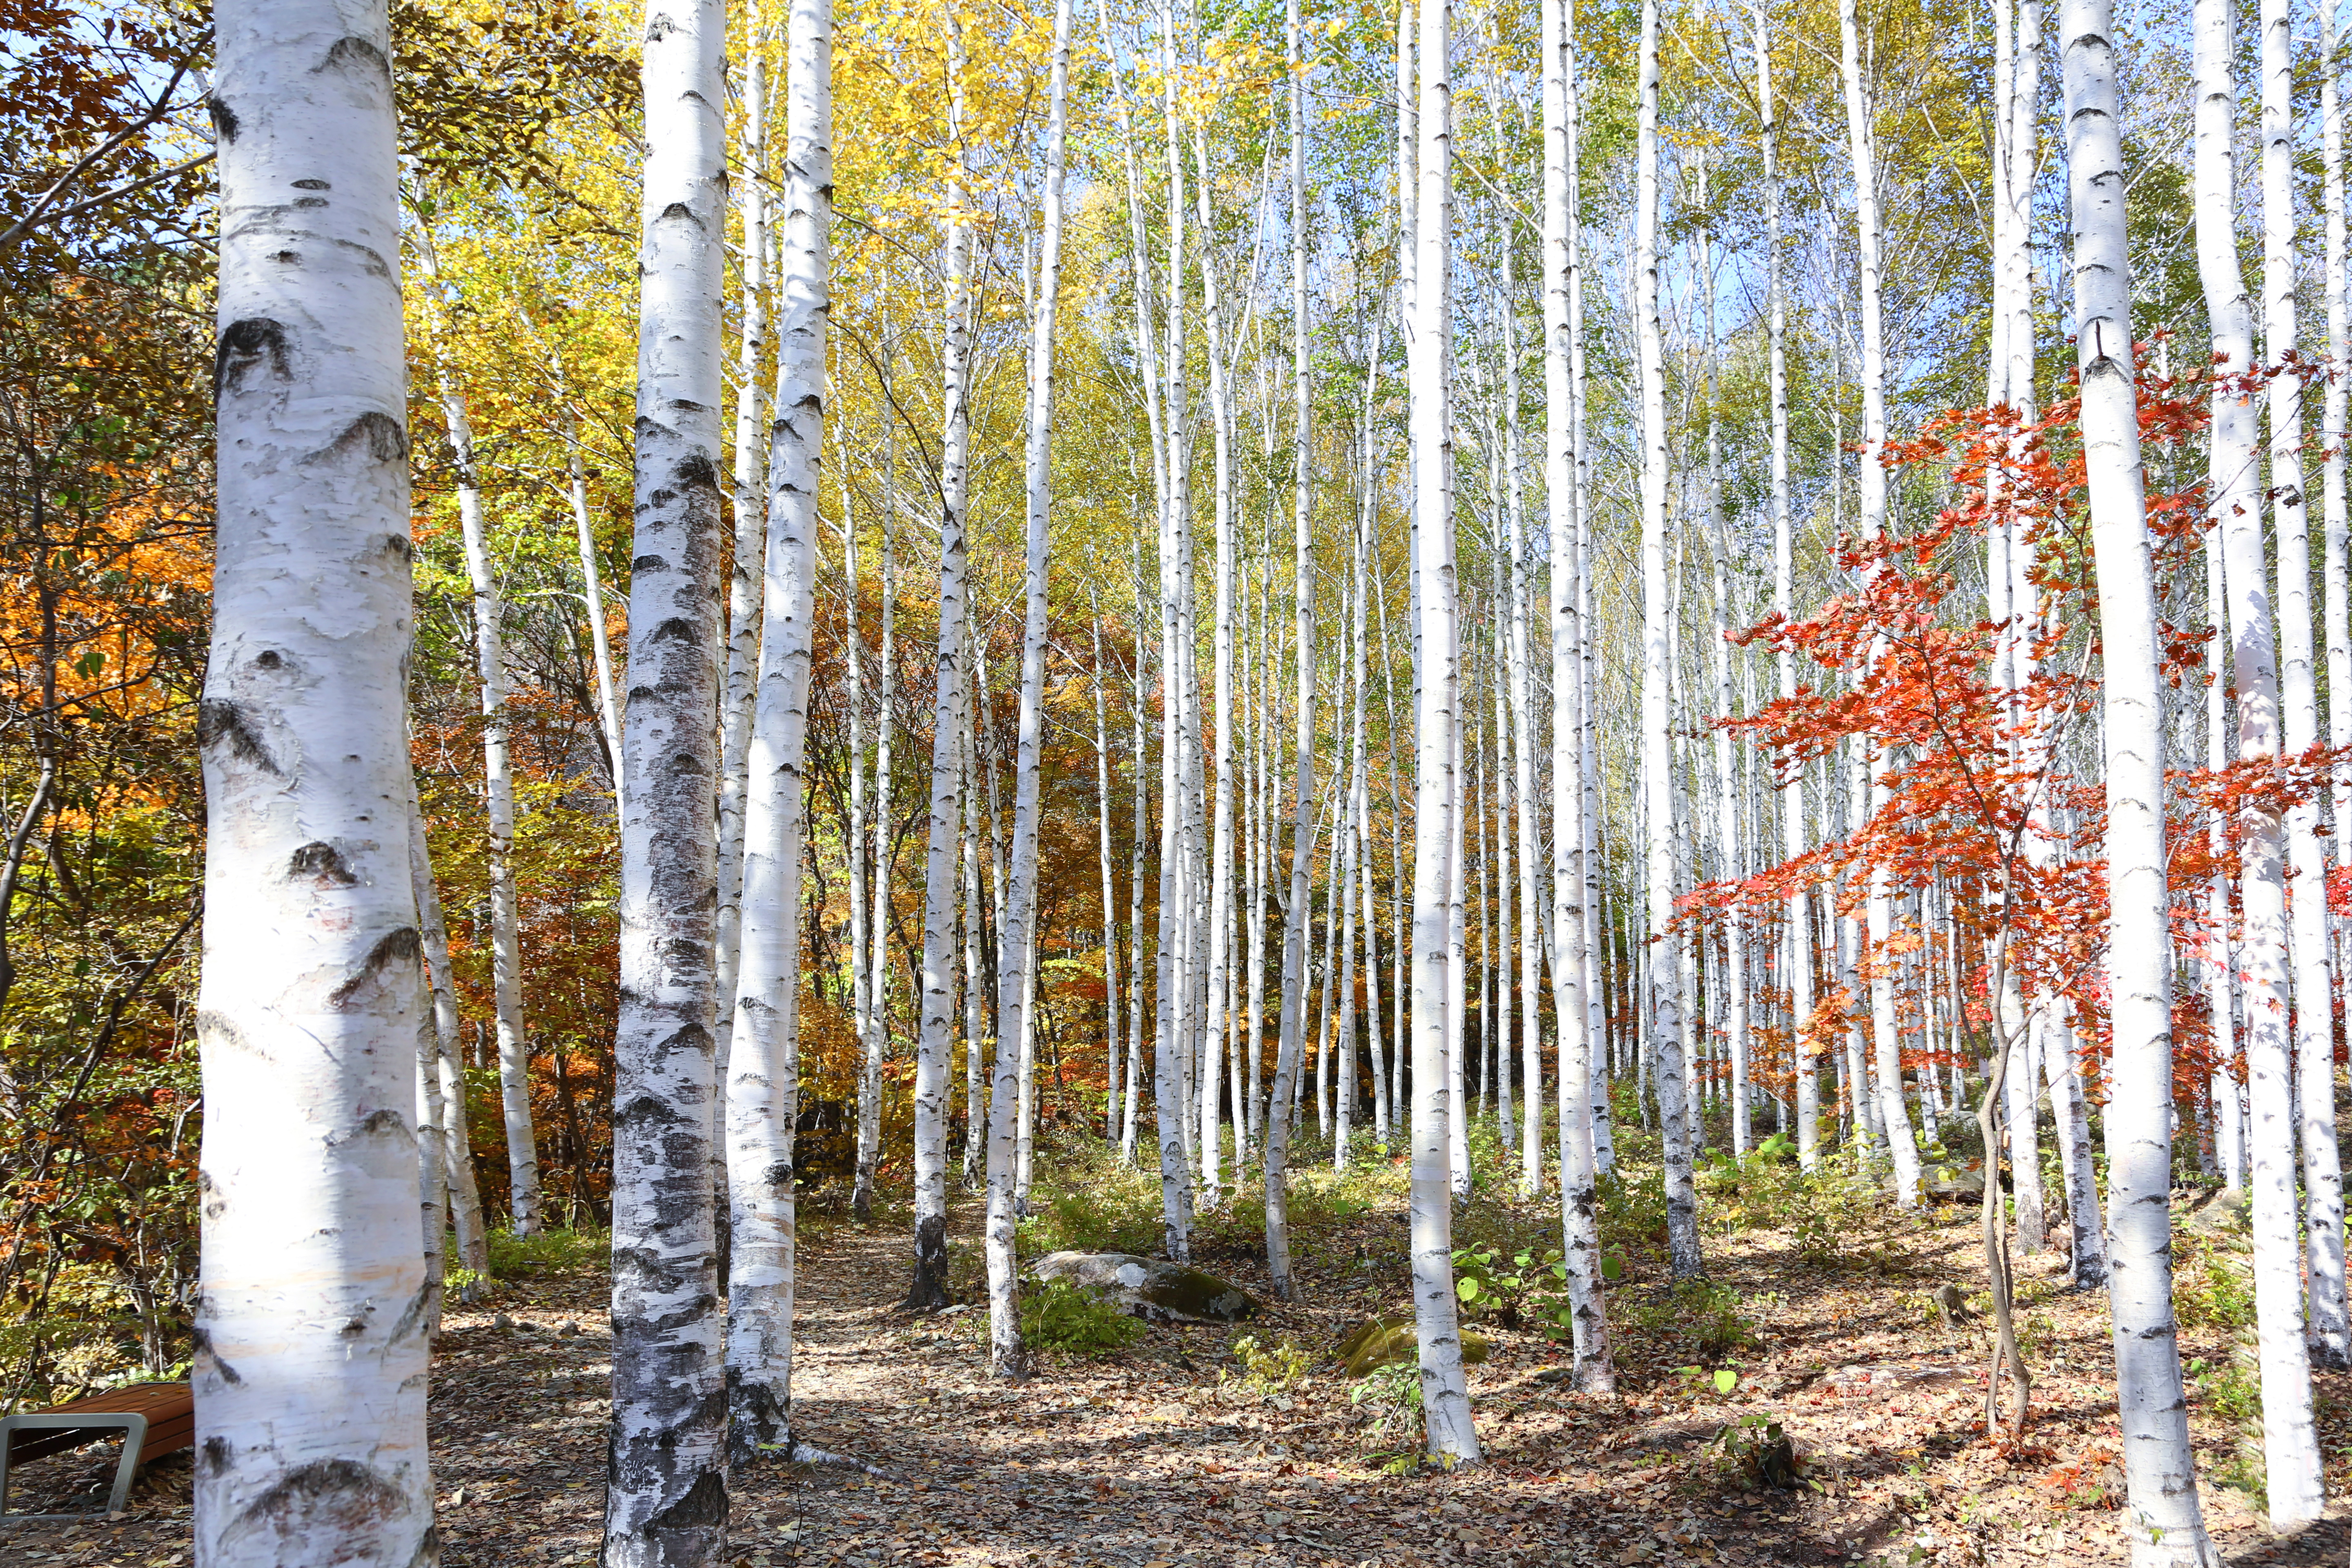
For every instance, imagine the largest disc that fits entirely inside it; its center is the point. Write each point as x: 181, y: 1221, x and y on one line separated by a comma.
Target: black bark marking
x: 313, y: 185
x: 311, y: 201
x: 695, y: 471
x: 677, y: 628
x: 690, y: 406
x: 350, y: 53
x: 218, y: 721
x: 702, y: 1508
x: 323, y: 861
x: 397, y: 546
x: 377, y: 434
x: 394, y: 948
x: 287, y: 258
x: 325, y: 1497
x: 243, y: 345
x: 270, y: 658
x: 225, y: 121
x: 686, y: 764
x: 215, y: 1456
x: 200, y: 1346
x: 679, y: 209
x: 648, y: 564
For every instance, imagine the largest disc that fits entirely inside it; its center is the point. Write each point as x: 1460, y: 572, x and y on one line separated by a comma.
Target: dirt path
x: 1155, y: 1459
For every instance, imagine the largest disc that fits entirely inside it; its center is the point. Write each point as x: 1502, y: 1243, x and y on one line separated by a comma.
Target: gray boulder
x: 1150, y: 1287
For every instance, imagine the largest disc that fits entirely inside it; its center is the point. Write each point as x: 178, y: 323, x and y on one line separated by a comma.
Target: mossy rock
x: 1395, y: 1341
x: 1152, y: 1288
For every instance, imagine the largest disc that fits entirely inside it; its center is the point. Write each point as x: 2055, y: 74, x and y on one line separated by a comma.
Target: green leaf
x: 1612, y: 1268
x: 1725, y: 1379
x: 1468, y: 1286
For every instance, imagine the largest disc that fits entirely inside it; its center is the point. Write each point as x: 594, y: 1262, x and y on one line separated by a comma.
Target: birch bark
x: 929, y: 1288
x: 2165, y: 1525
x: 1291, y: 1031
x: 1446, y: 1398
x: 762, y: 1105
x: 666, y: 1502
x: 1571, y: 958
x: 1017, y: 939
x: 2289, y: 1439
x: 1666, y: 1013
x: 745, y: 592
x: 312, y: 1349
x: 2314, y: 1051
x: 497, y: 789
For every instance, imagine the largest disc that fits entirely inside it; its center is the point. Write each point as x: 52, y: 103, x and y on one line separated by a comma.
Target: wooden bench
x: 153, y: 1418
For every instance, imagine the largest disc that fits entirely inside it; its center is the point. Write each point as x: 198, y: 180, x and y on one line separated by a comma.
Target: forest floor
x: 1168, y: 1453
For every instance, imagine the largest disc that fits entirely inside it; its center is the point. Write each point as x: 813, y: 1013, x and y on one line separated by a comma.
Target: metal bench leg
x: 134, y: 1438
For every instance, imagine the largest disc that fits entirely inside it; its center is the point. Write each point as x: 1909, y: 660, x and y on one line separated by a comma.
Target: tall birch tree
x: 665, y: 1497
x: 311, y: 1342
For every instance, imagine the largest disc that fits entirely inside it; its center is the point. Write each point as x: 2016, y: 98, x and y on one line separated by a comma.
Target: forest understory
x: 1820, y: 1305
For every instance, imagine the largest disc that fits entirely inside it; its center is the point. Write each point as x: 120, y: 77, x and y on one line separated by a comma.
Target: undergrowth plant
x: 1060, y: 1316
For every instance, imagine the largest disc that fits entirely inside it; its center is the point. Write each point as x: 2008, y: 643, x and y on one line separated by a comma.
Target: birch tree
x: 1571, y: 935
x: 2290, y: 1446
x: 666, y: 1499
x: 310, y: 1344
x: 1666, y: 1001
x: 1438, y: 792
x: 929, y: 1290
x: 764, y: 1063
x: 2165, y: 1524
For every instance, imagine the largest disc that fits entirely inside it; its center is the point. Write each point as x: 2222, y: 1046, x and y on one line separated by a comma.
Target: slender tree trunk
x: 1292, y: 1029
x: 1446, y: 1398
x: 1572, y: 959
x: 498, y: 789
x: 929, y: 1290
x: 311, y: 1346
x: 666, y: 1504
x: 591, y: 584
x: 2290, y: 1444
x: 1666, y: 1011
x: 2165, y: 1524
x: 2314, y: 1013
x: 763, y: 1064
x: 746, y: 593
x: 1017, y: 940
x: 1878, y: 903
x: 872, y: 1039
x: 1111, y: 1041
x: 458, y: 1158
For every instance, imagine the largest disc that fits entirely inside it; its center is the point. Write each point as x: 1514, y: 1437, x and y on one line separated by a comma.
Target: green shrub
x: 1268, y: 1369
x: 1707, y: 1317
x: 2210, y: 1289
x: 1090, y: 1202
x: 1062, y: 1317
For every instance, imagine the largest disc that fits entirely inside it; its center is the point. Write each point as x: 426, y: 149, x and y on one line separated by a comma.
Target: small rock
x: 503, y: 1323
x: 1394, y: 1341
x: 1150, y: 1287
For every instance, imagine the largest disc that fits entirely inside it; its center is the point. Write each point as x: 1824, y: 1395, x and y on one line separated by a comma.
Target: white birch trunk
x: 745, y: 591
x: 929, y: 1288
x: 1666, y: 1014
x: 458, y: 1155
x: 665, y: 1501
x: 2314, y: 1013
x: 2333, y: 422
x: 497, y: 789
x: 312, y: 1347
x: 1017, y: 937
x: 2165, y: 1525
x: 2289, y: 1440
x: 762, y: 1105
x: 1571, y: 956
x: 1446, y: 1398
x: 1111, y: 1041
x: 1894, y: 1121
x: 591, y: 586
x: 1291, y: 1030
